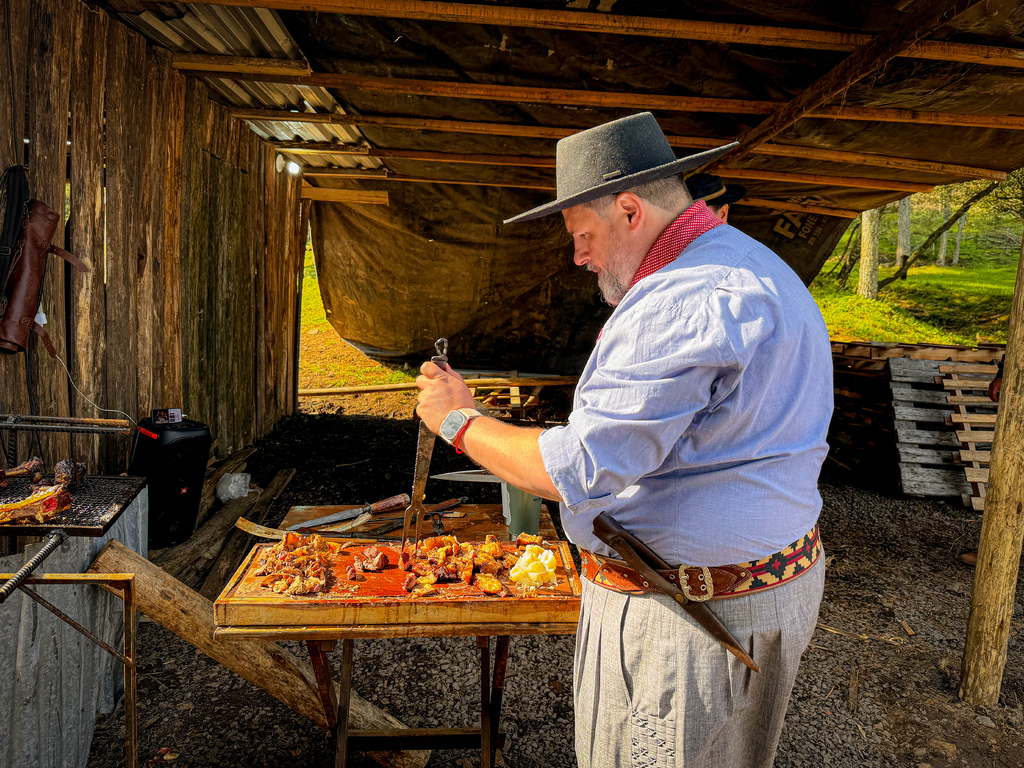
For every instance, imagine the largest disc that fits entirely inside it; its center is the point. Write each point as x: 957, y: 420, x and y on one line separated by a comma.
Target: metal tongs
x: 424, y: 451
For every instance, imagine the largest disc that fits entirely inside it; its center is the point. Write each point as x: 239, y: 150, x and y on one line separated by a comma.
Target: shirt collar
x: 690, y: 224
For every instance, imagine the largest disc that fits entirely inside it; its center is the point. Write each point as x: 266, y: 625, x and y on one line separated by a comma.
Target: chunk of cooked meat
x: 410, y: 582
x: 353, y: 574
x: 374, y: 559
x: 524, y: 538
x: 490, y: 585
x: 70, y: 473
x: 39, y: 507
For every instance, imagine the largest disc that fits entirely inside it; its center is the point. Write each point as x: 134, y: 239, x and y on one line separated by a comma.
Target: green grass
x: 935, y: 305
x: 326, y: 360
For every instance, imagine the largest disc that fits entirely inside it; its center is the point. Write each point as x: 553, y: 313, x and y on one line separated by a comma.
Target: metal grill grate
x: 94, y: 507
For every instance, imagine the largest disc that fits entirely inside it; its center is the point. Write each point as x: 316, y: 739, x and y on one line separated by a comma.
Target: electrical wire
x: 90, y: 402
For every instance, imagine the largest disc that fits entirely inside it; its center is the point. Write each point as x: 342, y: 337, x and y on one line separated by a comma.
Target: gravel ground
x: 868, y: 694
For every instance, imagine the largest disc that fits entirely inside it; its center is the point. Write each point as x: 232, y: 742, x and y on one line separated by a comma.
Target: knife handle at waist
x: 606, y: 528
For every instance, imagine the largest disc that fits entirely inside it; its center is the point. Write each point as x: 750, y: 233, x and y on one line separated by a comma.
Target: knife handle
x: 441, y: 358
x: 393, y: 502
x: 606, y: 529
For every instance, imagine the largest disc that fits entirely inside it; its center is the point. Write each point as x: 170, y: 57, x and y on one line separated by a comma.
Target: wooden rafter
x: 546, y: 132
x: 514, y: 161
x: 855, y: 182
x: 355, y: 196
x: 925, y: 16
x: 188, y: 62
x: 754, y: 202
x: 623, y: 100
x: 619, y: 24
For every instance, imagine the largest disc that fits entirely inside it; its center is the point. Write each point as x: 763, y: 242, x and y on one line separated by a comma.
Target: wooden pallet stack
x: 863, y: 429
x: 925, y: 439
x: 973, y: 419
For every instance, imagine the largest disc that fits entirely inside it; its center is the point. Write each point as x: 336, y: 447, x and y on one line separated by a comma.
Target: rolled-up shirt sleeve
x: 653, y: 370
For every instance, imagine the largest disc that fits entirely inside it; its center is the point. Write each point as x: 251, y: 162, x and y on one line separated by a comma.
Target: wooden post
x: 868, y: 284
x: 1002, y: 530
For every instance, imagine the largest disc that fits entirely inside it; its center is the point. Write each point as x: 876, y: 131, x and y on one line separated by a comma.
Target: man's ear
x: 630, y: 206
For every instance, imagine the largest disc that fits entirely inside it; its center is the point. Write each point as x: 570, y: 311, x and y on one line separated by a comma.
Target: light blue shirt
x: 699, y: 422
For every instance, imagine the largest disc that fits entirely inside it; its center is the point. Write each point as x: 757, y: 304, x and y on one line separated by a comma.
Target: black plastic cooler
x: 173, y: 458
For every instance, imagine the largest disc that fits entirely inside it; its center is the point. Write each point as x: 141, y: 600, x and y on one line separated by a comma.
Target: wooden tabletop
x: 479, y: 520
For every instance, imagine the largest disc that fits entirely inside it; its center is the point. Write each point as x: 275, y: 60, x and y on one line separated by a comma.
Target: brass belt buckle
x: 704, y: 576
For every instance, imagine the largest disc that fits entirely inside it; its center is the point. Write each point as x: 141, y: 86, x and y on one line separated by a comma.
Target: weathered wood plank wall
x: 191, y: 233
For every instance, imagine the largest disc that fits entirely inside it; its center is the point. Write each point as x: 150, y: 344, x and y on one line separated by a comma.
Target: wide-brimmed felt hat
x: 711, y: 189
x: 612, y: 158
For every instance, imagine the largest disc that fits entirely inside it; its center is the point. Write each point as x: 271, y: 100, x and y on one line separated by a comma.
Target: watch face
x: 452, y: 424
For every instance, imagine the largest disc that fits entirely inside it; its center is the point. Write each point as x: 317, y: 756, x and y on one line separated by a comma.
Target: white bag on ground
x: 233, y: 485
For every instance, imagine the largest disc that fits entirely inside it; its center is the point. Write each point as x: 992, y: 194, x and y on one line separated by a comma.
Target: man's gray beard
x: 612, y: 289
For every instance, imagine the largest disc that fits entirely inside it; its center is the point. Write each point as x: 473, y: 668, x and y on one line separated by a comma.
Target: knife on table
x: 386, y: 505
x: 647, y: 563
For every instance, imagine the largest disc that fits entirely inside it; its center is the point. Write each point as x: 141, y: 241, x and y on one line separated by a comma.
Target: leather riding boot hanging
x: 25, y: 280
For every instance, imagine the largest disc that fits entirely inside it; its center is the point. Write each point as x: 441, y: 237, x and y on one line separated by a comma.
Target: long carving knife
x: 647, y: 563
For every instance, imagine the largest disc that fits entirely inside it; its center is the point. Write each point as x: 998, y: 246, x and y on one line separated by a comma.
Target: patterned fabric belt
x: 718, y: 582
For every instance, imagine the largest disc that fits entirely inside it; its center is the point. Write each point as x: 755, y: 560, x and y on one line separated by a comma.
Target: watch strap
x: 470, y: 414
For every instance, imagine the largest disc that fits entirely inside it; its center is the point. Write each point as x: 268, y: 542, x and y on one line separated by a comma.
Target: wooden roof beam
x: 924, y: 17
x: 545, y: 132
x: 513, y: 161
x: 754, y: 202
x: 655, y: 102
x: 190, y: 62
x: 352, y: 196
x: 619, y: 24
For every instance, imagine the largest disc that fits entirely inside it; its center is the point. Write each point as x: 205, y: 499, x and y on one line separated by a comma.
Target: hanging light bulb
x: 294, y: 168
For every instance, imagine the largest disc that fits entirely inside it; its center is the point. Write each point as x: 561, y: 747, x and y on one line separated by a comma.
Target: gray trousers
x: 652, y: 688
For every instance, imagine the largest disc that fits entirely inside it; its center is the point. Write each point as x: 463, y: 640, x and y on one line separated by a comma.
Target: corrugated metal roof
x: 257, y: 32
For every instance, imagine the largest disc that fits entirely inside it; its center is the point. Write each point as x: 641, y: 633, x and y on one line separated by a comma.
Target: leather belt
x: 700, y: 583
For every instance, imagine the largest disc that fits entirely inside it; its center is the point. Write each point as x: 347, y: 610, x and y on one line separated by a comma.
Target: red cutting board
x: 381, y: 600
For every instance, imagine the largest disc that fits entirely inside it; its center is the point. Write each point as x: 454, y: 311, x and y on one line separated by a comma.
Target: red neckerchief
x: 691, y: 224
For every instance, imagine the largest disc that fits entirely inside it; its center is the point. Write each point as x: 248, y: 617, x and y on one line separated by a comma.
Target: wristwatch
x: 455, y: 423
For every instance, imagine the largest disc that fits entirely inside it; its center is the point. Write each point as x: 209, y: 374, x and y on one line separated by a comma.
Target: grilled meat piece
x: 410, y: 582
x: 41, y: 506
x: 490, y: 585
x: 32, y: 469
x: 374, y: 559
x: 354, y: 575
x: 70, y: 473
x: 523, y: 539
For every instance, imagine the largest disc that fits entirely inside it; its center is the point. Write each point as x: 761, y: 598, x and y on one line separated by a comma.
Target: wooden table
x: 321, y: 639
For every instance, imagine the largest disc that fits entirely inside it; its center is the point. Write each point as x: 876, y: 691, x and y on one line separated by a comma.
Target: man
x: 699, y: 425
x: 717, y: 194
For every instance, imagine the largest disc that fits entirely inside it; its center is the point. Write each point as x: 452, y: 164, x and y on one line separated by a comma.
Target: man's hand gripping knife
x: 512, y: 453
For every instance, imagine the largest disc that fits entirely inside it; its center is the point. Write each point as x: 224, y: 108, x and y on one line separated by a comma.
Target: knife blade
x: 468, y: 476
x: 385, y: 505
x: 394, y: 523
x: 629, y: 548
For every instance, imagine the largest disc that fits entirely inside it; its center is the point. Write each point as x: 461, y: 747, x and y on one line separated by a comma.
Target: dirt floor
x: 869, y: 693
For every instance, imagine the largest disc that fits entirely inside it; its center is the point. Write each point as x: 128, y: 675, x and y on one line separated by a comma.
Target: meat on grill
x: 39, y: 507
x: 32, y: 469
x: 69, y: 473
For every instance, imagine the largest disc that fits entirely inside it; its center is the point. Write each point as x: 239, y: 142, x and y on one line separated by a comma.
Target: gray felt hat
x: 612, y: 158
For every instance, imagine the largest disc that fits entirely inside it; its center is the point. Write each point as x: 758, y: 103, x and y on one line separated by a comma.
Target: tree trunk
x: 903, y: 232
x: 956, y: 245
x: 944, y: 240
x: 901, y: 274
x: 868, y: 284
x: 1002, y: 528
x: 851, y: 255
